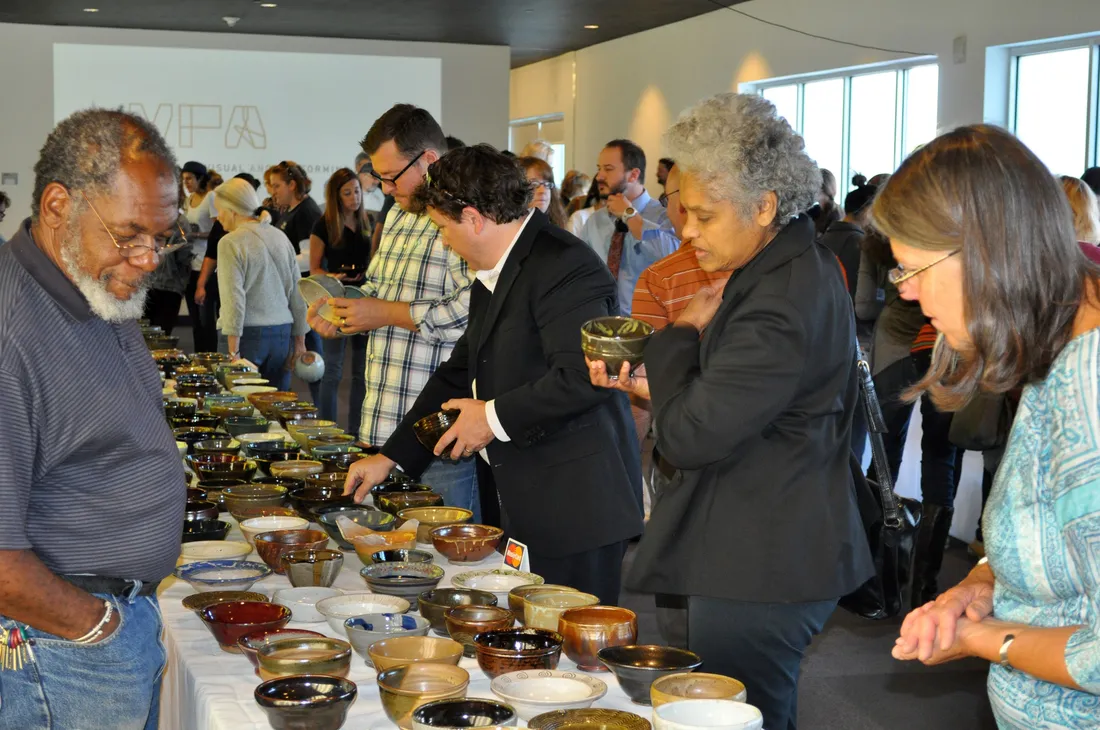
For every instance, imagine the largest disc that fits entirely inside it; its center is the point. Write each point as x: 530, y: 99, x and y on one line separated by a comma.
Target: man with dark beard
x: 85, y: 441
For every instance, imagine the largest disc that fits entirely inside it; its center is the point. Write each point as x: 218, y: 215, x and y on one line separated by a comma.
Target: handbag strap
x: 876, y: 426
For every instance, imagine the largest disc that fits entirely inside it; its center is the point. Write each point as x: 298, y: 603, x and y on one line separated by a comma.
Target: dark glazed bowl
x: 369, y: 518
x: 267, y: 453
x: 214, y: 487
x: 205, y: 530
x: 394, y: 502
x: 401, y: 556
x: 218, y: 446
x: 615, y: 340
x: 272, y: 546
x: 221, y: 466
x: 339, y: 462
x: 240, y: 425
x: 296, y: 411
x: 287, y: 482
x: 198, y: 511
x: 306, y: 701
x: 180, y: 408
x: 500, y: 652
x: 230, y: 621
x: 466, y: 543
x: 253, y: 495
x: 465, y: 622
x: 430, y: 429
x: 463, y: 713
x: 306, y: 498
x: 194, y: 494
x: 199, y: 420
x: 191, y: 435
x: 251, y: 643
x: 638, y: 667
x: 405, y: 580
x: 434, y: 604
x: 397, y: 484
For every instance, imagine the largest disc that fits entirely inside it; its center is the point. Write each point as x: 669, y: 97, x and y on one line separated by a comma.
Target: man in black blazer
x: 558, y: 455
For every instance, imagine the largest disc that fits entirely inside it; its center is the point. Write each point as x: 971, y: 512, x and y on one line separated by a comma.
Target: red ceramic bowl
x: 228, y: 622
x: 252, y: 642
x: 271, y: 546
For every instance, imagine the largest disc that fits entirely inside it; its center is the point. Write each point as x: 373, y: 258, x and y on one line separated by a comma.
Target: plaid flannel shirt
x: 411, y: 265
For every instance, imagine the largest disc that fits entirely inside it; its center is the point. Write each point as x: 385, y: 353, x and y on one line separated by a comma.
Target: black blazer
x: 570, y: 478
x: 756, y: 416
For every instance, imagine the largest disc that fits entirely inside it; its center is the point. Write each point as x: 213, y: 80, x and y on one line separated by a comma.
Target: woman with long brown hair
x: 984, y: 240
x: 340, y: 247
x: 541, y: 177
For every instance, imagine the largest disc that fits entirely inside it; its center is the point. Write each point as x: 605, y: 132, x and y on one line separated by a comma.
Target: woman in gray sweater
x: 263, y: 319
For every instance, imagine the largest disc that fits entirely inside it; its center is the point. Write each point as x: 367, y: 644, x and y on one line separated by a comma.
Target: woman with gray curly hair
x: 753, y: 391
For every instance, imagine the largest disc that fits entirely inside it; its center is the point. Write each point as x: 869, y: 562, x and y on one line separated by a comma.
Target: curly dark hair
x: 478, y: 177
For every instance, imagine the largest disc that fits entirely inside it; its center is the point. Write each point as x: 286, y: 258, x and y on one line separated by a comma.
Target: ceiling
x: 534, y: 29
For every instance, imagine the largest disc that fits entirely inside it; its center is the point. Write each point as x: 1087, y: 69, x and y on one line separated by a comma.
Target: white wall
x: 638, y: 84
x: 474, y: 86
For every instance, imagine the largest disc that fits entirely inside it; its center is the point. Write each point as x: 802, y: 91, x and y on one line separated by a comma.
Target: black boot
x: 935, y: 528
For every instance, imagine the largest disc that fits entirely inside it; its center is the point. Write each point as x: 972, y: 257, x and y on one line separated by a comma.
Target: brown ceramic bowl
x: 191, y: 435
x: 310, y: 655
x: 269, y: 453
x: 465, y: 622
x: 304, y: 499
x: 517, y: 595
x: 405, y: 688
x: 218, y: 446
x: 272, y: 546
x: 616, y: 340
x: 221, y: 466
x: 500, y: 652
x: 430, y: 429
x: 179, y: 408
x: 465, y: 543
x: 431, y: 517
x: 390, y: 653
x: 252, y: 642
x: 295, y: 411
x: 197, y: 511
x: 390, y: 541
x: 339, y: 462
x: 695, y: 686
x: 230, y: 621
x: 229, y: 410
x: 589, y: 629
x: 395, y: 502
x: 329, y: 479
x: 296, y: 469
x: 329, y: 439
x: 246, y: 513
x: 198, y: 601
x: 433, y: 604
x: 253, y: 495
x: 264, y: 401
x: 194, y: 494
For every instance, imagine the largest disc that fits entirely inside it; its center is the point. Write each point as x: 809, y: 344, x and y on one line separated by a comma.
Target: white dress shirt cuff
x: 494, y: 422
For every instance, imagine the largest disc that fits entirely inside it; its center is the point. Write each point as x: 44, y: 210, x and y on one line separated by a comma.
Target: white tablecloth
x: 206, y: 688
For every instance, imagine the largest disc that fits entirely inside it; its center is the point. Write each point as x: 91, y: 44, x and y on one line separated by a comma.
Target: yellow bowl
x: 401, y: 650
x: 405, y: 688
x: 432, y: 517
x: 695, y: 686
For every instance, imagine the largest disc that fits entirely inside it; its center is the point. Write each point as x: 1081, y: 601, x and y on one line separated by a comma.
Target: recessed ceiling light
x: 268, y: 5
x: 91, y: 10
x: 591, y: 27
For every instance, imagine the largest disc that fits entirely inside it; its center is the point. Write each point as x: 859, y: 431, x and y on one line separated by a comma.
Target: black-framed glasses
x: 666, y: 195
x: 899, y: 275
x: 162, y: 245
x: 393, y: 180
x: 536, y: 184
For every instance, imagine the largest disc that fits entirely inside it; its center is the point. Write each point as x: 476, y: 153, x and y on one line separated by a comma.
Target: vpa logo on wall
x: 243, y: 126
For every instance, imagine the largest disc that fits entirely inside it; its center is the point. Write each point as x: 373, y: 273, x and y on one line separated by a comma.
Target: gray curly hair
x: 86, y: 150
x: 740, y: 149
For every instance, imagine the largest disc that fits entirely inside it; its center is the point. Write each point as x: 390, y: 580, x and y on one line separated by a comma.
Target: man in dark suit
x: 557, y: 457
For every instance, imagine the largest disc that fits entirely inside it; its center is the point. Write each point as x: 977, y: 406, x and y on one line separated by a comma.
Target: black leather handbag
x: 891, y: 522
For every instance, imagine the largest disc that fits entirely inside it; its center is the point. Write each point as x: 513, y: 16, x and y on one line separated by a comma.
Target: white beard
x: 103, y: 303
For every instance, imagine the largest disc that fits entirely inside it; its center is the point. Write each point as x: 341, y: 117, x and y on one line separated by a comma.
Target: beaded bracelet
x: 94, y: 634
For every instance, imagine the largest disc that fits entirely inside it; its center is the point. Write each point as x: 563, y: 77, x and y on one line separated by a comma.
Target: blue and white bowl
x: 365, y: 630
x: 222, y: 575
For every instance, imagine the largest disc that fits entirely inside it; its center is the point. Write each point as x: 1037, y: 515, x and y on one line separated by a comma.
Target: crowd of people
x: 970, y: 275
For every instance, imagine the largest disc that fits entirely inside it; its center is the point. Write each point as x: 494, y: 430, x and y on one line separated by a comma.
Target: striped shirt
x: 413, y: 266
x: 666, y: 287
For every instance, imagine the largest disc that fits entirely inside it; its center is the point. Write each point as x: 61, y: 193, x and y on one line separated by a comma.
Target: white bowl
x: 309, y: 366
x: 222, y: 575
x: 710, y: 714
x: 302, y: 602
x: 537, y: 691
x: 499, y: 582
x: 257, y: 525
x: 247, y: 390
x: 340, y: 608
x: 203, y: 550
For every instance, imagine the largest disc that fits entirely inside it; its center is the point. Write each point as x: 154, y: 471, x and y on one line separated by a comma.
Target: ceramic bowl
x: 247, y: 390
x: 253, y: 495
x: 304, y: 423
x: 514, y: 650
x: 429, y: 518
x: 309, y: 366
x: 221, y: 466
x: 615, y: 340
x: 697, y: 714
x: 199, y: 420
x: 340, y: 462
x: 458, y: 714
x: 214, y: 487
x: 191, y: 435
x: 238, y: 426
x: 302, y: 602
x: 218, y: 446
x: 363, y: 631
x: 430, y: 429
x: 372, y: 519
x: 259, y: 525
x: 265, y: 401
x: 195, y: 494
x: 196, y: 511
x: 267, y: 453
x: 433, y: 604
x: 402, y: 556
x: 287, y: 482
x: 271, y: 546
x: 405, y: 688
x: 249, y: 379
x: 695, y: 686
x: 338, y: 609
x: 542, y: 610
x: 206, y: 550
x: 465, y: 543
x: 247, y: 513
x: 303, y: 434
x: 316, y: 702
x: 407, y: 580
x: 200, y: 530
x: 222, y: 399
x: 535, y: 692
x: 222, y: 575
x: 590, y: 629
x: 223, y: 369
x: 396, y: 483
x: 198, y: 601
x: 296, y: 468
x: 588, y: 719
x: 180, y: 408
x: 251, y: 643
x: 329, y: 437
x: 227, y: 410
x: 517, y: 595
x: 306, y: 498
x: 394, y: 502
x: 365, y: 548
x: 498, y: 582
x: 465, y: 622
x: 230, y: 621
x: 305, y: 568
x: 637, y: 667
x: 251, y: 439
x: 396, y: 651
x: 287, y: 657
x: 295, y: 411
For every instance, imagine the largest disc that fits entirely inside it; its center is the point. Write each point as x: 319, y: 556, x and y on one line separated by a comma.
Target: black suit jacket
x: 756, y: 416
x: 570, y: 478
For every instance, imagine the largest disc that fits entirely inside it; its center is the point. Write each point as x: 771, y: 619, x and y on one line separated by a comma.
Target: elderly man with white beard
x: 85, y: 440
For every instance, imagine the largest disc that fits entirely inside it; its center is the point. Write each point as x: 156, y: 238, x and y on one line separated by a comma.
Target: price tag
x: 516, y: 557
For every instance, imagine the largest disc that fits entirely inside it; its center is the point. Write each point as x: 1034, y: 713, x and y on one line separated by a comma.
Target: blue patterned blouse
x: 1042, y: 536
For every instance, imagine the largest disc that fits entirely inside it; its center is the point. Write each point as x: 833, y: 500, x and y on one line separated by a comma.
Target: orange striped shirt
x: 666, y: 287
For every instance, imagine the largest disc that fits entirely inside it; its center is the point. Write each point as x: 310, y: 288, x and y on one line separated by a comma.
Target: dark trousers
x: 759, y: 644
x: 162, y: 308
x: 334, y: 371
x: 206, y: 336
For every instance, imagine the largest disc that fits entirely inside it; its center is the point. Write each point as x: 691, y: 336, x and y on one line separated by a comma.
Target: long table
x: 206, y: 688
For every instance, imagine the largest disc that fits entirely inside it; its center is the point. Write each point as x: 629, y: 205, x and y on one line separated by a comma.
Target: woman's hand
x: 934, y: 625
x: 636, y: 384
x: 700, y: 311
x: 200, y: 294
x: 959, y: 648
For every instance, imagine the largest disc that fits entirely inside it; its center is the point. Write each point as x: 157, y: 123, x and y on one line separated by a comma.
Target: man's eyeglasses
x: 161, y: 246
x: 665, y: 196
x: 393, y: 180
x: 900, y: 275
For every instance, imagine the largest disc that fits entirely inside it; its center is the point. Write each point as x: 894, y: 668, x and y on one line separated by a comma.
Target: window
x: 1053, y: 101
x: 864, y: 123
